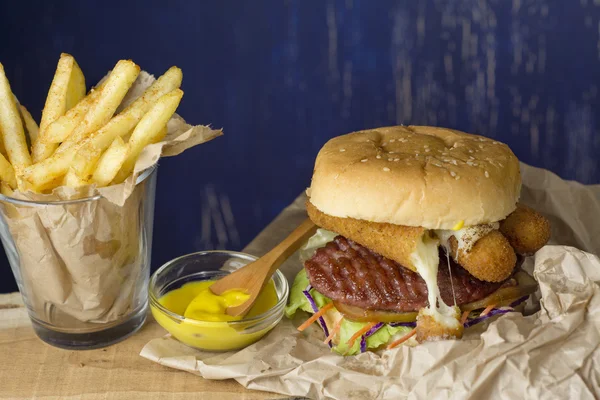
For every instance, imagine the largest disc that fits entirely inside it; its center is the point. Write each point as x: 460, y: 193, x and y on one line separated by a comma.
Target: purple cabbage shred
x: 363, y: 339
x: 313, y: 304
x: 363, y: 343
x: 374, y: 329
x: 495, y: 311
x: 517, y: 302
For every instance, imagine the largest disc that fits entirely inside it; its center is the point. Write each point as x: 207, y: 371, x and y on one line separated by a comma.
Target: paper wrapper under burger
x: 553, y: 353
x: 81, y: 263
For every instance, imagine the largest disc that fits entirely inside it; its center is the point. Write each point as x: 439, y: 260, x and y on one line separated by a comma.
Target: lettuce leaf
x: 382, y: 337
x: 385, y: 335
x: 298, y: 301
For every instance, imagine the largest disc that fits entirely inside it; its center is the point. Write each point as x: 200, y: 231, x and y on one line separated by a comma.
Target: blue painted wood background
x: 281, y: 77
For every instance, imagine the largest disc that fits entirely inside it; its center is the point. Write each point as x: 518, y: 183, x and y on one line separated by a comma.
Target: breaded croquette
x: 526, y: 230
x: 430, y: 329
x: 396, y: 242
x: 491, y: 258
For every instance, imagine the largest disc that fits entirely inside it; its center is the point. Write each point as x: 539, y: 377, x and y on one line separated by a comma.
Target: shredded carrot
x: 315, y: 317
x: 360, y: 332
x: 334, y: 331
x: 464, y: 317
x: 487, y: 310
x: 402, y: 339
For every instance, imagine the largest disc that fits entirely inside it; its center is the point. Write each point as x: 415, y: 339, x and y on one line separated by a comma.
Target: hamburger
x: 421, y: 236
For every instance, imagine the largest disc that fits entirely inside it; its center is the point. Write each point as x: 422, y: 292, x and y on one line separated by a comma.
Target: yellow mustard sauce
x: 206, y: 322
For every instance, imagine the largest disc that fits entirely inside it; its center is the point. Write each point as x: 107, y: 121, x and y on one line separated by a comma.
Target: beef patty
x: 351, y: 274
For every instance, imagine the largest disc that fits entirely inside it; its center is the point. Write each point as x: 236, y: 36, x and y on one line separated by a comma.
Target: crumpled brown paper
x: 553, y: 353
x: 81, y: 265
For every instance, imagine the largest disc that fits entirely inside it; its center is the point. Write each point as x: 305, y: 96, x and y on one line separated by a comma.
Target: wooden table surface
x: 31, y: 369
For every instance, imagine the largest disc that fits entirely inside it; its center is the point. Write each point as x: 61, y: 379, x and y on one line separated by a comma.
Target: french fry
x: 41, y: 175
x: 5, y: 189
x: 55, y: 107
x: 61, y: 129
x: 123, y: 123
x: 146, y: 132
x: 52, y: 169
x: 160, y: 136
x: 110, y: 162
x: 2, y: 148
x: 11, y: 126
x: 117, y: 84
x: 7, y: 173
x: 30, y: 124
x: 76, y: 89
x: 72, y: 180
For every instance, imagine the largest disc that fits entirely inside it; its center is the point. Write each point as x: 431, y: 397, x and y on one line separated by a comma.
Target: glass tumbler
x: 82, y: 266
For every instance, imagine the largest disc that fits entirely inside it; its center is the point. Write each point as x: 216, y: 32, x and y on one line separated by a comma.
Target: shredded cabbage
x: 380, y: 337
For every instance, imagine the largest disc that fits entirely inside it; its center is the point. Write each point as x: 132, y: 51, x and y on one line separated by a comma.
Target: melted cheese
x: 426, y: 260
x: 466, y: 237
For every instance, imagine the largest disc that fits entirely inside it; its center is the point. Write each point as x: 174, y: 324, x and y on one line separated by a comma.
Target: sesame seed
x: 396, y: 159
x: 416, y: 154
x: 500, y: 164
x: 386, y: 169
x: 363, y: 160
x: 469, y: 163
x: 452, y: 173
x: 475, y: 164
x: 453, y: 162
x: 342, y: 150
x: 471, y: 157
x: 378, y: 156
x: 426, y: 146
x: 384, y: 144
x: 470, y: 151
x: 392, y: 140
x: 391, y: 152
x: 427, y: 150
x: 487, y: 175
x: 496, y: 142
x: 390, y: 159
x: 444, y: 154
x: 457, y: 177
x: 481, y: 146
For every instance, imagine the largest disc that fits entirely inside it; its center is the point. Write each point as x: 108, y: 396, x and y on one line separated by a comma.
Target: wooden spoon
x: 253, y: 277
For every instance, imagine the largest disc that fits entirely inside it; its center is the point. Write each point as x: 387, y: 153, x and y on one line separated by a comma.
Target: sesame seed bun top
x: 416, y: 176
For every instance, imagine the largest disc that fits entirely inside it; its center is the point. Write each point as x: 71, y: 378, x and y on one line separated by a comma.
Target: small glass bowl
x: 211, y: 335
